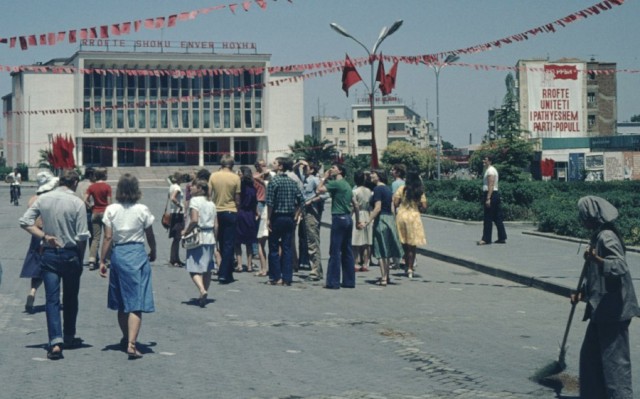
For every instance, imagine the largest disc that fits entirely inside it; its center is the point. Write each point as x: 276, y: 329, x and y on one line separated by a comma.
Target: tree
x: 313, y: 150
x: 635, y: 118
x: 508, y: 118
x: 420, y: 159
x: 510, y: 156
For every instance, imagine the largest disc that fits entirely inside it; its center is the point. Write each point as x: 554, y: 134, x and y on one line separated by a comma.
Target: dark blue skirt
x: 130, y: 279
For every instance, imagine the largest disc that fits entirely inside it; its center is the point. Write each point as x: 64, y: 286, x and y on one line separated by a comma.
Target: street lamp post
x: 383, y: 35
x: 436, y: 68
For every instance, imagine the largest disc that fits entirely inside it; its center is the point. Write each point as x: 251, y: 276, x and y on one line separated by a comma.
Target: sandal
x: 382, y: 282
x: 132, y: 352
x: 261, y: 274
x: 53, y: 354
x: 202, y: 301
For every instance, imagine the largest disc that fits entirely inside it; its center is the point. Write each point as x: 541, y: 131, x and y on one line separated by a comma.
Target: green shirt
x: 341, y: 194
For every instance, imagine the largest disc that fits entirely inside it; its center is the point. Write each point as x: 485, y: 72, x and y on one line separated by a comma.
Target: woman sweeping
x: 126, y: 223
x: 605, y: 363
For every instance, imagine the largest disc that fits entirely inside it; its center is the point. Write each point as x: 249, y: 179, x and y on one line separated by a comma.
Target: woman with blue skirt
x: 127, y: 223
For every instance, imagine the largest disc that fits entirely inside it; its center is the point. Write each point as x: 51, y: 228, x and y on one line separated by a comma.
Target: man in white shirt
x: 14, y: 178
x: 491, y: 205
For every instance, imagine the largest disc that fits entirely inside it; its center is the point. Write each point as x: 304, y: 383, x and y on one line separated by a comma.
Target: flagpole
x: 383, y: 35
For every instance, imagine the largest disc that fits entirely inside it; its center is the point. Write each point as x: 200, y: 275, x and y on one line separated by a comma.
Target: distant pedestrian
x: 362, y: 237
x: 399, y: 173
x: 263, y: 233
x: 409, y: 202
x: 224, y: 189
x: 284, y: 200
x: 492, y: 205
x: 342, y: 206
x: 64, y: 237
x: 605, y: 361
x: 126, y: 224
x: 14, y: 179
x: 31, y: 266
x: 248, y: 218
x: 200, y: 260
x: 98, y: 194
x: 176, y: 209
x: 386, y: 244
x: 309, y: 226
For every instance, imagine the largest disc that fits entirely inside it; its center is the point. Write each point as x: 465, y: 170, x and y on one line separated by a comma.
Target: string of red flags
x: 119, y: 29
x: 302, y: 77
x: 350, y: 75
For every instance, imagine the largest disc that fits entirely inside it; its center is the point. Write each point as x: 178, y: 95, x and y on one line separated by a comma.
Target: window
x: 343, y: 130
x: 243, y: 152
x: 364, y: 143
x: 125, y: 153
x: 364, y: 128
x: 391, y: 112
x: 591, y: 121
x: 329, y: 130
x: 211, y: 154
x: 591, y: 98
x: 342, y: 143
x: 91, y: 153
x: 364, y: 114
x: 168, y: 152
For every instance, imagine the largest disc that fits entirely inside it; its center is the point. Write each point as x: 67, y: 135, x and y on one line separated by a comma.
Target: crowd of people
x: 236, y: 209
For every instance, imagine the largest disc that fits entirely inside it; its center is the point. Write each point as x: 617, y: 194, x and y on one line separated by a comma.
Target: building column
x: 79, y: 152
x: 114, y: 152
x: 201, y: 151
x: 147, y: 152
x: 232, y: 150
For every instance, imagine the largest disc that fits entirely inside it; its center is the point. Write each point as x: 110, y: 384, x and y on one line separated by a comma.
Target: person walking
x: 126, y: 224
x: 492, y: 205
x: 605, y: 360
x: 284, y: 200
x: 14, y: 179
x: 224, y: 189
x: 176, y: 209
x: 362, y: 237
x: 87, y: 180
x: 64, y: 237
x: 342, y: 206
x: 386, y: 244
x: 31, y: 265
x: 409, y: 201
x: 248, y: 217
x: 202, y: 215
x: 98, y: 194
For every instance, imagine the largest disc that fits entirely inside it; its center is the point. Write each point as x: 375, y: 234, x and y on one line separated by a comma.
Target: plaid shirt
x: 283, y: 194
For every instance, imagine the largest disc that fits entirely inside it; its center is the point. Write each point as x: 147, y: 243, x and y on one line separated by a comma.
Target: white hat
x: 46, y: 181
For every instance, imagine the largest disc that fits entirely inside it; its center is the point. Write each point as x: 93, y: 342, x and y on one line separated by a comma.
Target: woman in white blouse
x: 202, y: 214
x: 126, y: 224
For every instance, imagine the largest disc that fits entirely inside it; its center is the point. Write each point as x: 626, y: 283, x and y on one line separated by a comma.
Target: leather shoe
x: 481, y: 242
x: 500, y: 242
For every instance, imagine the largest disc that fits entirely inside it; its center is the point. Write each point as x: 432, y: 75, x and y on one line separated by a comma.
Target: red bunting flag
x: 172, y: 21
x: 23, y: 42
x: 262, y: 4
x: 350, y: 75
x: 159, y: 23
x: 232, y: 7
x: 115, y: 29
x: 32, y: 40
x: 126, y: 28
x: 148, y: 23
x: 93, y: 34
x: 246, y: 5
x: 104, y: 32
x: 61, y: 36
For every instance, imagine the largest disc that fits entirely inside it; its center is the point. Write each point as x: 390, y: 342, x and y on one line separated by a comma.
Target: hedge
x: 551, y: 205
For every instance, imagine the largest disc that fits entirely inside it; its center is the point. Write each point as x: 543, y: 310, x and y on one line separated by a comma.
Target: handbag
x: 191, y: 240
x: 166, y: 216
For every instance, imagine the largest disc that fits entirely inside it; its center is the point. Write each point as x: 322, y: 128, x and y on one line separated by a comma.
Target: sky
x: 297, y: 32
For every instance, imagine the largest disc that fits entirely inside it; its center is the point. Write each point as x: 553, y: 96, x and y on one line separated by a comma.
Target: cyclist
x: 15, y: 178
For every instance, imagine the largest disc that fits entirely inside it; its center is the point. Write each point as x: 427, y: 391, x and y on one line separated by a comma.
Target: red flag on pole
x: 350, y: 75
x: 380, y: 74
x: 390, y: 80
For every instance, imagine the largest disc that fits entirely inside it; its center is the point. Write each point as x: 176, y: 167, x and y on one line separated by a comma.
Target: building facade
x: 149, y: 107
x: 393, y: 121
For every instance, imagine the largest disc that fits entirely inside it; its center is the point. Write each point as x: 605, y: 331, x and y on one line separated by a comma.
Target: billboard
x: 556, y: 99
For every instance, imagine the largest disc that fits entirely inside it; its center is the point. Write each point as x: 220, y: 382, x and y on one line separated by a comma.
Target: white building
x: 393, y: 121
x: 138, y: 104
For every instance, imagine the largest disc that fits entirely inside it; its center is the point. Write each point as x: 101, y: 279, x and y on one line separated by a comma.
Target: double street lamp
x: 383, y: 35
x: 436, y: 68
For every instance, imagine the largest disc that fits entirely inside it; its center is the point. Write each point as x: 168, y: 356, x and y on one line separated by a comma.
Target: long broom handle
x: 573, y: 309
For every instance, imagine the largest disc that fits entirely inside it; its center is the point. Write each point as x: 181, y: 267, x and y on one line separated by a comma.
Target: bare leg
x: 366, y: 256
x: 134, y: 321
x: 410, y: 257
x: 384, y: 271
x: 249, y: 251
x: 123, y: 319
x: 262, y: 256
x: 239, y: 257
x: 199, y: 282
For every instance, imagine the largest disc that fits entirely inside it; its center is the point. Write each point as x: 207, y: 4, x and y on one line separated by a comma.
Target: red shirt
x: 101, y: 193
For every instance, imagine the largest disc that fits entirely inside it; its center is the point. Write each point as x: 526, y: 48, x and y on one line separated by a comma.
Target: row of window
x: 151, y: 102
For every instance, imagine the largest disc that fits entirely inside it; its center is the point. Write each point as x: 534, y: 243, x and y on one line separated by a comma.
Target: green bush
x: 551, y: 205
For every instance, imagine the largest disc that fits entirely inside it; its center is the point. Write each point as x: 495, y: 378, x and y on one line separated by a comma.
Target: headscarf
x: 596, y: 209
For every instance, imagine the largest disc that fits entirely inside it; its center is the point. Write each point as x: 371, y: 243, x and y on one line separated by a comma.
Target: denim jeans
x: 226, y: 241
x: 281, y: 234
x: 61, y: 264
x: 340, y: 253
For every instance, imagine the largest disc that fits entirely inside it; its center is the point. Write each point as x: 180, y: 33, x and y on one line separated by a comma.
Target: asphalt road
x: 449, y: 333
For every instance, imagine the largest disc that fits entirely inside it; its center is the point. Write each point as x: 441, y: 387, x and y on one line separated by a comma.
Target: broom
x: 558, y: 366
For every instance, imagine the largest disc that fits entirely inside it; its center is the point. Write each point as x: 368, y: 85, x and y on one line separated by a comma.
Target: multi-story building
x: 393, y: 121
x: 155, y: 104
